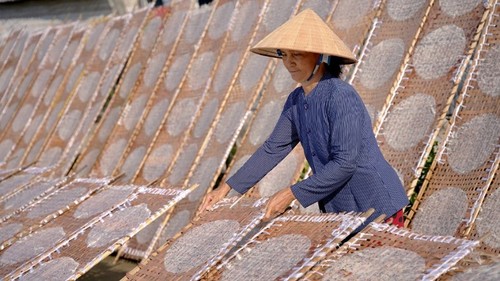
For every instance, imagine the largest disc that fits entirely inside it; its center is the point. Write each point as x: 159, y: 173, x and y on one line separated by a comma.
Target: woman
x: 329, y: 119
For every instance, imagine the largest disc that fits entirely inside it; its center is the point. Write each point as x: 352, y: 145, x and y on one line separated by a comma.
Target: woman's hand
x: 278, y: 203
x: 213, y: 197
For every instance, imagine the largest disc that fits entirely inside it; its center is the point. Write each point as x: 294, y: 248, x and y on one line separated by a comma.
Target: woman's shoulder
x: 292, y: 99
x: 339, y: 84
x: 338, y: 88
x: 294, y: 94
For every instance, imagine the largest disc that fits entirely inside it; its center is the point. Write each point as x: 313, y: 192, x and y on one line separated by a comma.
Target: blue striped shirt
x: 349, y: 170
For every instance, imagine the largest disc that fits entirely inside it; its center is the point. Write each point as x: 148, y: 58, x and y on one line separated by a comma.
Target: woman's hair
x: 334, y: 67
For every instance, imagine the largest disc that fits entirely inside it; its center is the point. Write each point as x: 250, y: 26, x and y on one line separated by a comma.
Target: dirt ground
x: 107, y: 270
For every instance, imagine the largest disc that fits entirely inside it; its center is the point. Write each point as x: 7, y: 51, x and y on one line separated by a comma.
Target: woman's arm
x: 281, y: 141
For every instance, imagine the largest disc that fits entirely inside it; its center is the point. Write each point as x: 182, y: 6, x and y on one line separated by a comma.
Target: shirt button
x: 306, y: 106
x: 308, y: 131
x: 314, y: 153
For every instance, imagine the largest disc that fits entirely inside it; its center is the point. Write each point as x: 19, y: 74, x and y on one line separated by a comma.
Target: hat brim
x: 273, y: 53
x: 305, y: 32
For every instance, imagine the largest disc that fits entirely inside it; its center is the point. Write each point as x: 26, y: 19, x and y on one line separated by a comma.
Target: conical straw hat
x: 305, y: 32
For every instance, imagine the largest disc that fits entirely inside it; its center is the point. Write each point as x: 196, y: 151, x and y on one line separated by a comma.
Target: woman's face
x: 299, y: 64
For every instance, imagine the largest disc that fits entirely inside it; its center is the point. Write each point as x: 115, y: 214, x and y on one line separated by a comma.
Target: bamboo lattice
x: 483, y: 263
x: 354, y: 22
x: 466, y: 159
x: 50, y: 206
x: 283, y: 246
x: 24, y: 77
x: 388, y: 43
x: 19, y: 46
x: 35, y: 94
x: 114, y: 52
x: 108, y: 144
x: 183, y: 56
x: 7, y: 46
x: 389, y: 253
x: 415, y: 110
x: 26, y: 80
x: 35, y: 217
x: 185, y: 162
x: 175, y: 133
x: 172, y: 69
x: 77, y: 119
x: 50, y: 95
x: 105, y: 233
x: 64, y: 92
x: 175, y: 261
x: 36, y: 145
x: 28, y: 194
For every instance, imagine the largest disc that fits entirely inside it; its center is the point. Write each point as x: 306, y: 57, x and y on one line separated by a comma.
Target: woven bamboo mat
x: 6, y: 36
x: 58, y: 139
x: 415, y: 110
x: 485, y: 271
x: 50, y: 206
x: 19, y: 44
x: 388, y: 42
x: 15, y: 181
x: 6, y: 72
x: 81, y: 216
x: 37, y: 215
x: 201, y: 243
x: 389, y: 253
x: 173, y: 70
x: 485, y: 226
x: 7, y: 46
x: 93, y: 149
x: 190, y: 96
x: 85, y: 212
x: 182, y: 99
x: 51, y: 96
x: 206, y: 32
x: 144, y: 59
x: 226, y: 106
x: 24, y: 199
x: 28, y: 194
x: 168, y: 141
x: 466, y: 160
x: 27, y: 99
x: 24, y: 116
x: 65, y: 92
x: 110, y: 139
x: 227, y: 60
x: 115, y: 52
x: 280, y: 248
x: 353, y: 21
x: 482, y: 263
x: 23, y: 82
x: 29, y: 104
x: 24, y: 79
x: 86, y: 102
x: 110, y: 230
x: 235, y: 97
x: 192, y: 39
x: 246, y: 80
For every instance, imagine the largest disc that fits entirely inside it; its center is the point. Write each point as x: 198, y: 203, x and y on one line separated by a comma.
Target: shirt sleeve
x: 345, y: 118
x: 279, y: 144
